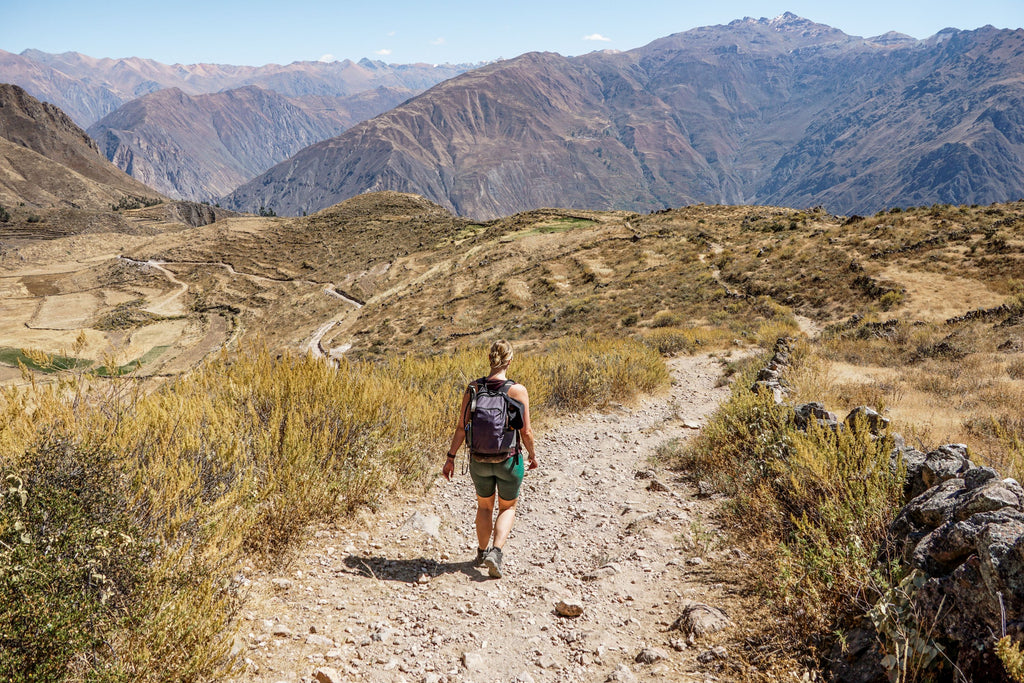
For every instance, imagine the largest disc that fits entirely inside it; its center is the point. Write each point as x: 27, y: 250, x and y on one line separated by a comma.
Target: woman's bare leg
x: 484, y: 520
x: 503, y: 525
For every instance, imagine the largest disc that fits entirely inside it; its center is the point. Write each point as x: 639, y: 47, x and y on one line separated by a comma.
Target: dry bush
x: 669, y: 341
x: 580, y: 373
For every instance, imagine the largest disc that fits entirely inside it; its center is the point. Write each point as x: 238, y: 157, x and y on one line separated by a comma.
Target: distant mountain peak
x: 892, y: 38
x: 789, y: 25
x: 788, y: 19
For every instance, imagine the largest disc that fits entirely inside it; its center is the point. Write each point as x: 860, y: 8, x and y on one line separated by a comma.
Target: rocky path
x: 394, y: 596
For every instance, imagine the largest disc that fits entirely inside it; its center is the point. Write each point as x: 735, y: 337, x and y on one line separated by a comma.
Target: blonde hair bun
x: 500, y: 354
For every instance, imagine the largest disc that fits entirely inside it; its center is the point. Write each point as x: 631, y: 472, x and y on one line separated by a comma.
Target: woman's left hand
x: 448, y: 469
x: 533, y: 462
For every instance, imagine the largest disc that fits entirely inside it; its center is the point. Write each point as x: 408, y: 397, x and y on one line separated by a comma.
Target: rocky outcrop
x: 965, y: 534
x: 770, y: 377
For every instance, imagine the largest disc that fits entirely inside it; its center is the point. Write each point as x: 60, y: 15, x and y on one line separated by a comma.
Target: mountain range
x: 779, y: 111
x: 199, y: 131
x: 782, y: 111
x: 88, y: 88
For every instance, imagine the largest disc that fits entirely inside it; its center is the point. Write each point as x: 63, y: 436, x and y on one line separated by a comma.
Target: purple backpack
x: 495, y: 418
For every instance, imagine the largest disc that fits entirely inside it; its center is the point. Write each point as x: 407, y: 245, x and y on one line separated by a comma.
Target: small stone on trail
x: 281, y: 584
x: 650, y: 655
x: 381, y: 633
x: 474, y: 661
x: 547, y: 662
x: 424, y: 579
x: 677, y: 644
x: 711, y: 655
x: 602, y: 573
x: 656, y: 485
x: 326, y: 674
x: 644, y: 474
x: 621, y: 675
x: 704, y: 489
x: 691, y: 424
x: 428, y: 524
x: 568, y: 608
x: 319, y: 641
x: 699, y: 619
x: 524, y: 677
x: 282, y: 631
x: 695, y: 561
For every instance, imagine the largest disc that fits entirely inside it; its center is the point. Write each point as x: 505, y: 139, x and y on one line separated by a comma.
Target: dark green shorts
x: 505, y: 476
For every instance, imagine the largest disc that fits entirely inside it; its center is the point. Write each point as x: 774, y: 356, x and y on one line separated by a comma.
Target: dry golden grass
x: 234, y: 460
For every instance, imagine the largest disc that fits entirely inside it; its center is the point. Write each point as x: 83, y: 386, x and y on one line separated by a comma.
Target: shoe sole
x: 493, y: 570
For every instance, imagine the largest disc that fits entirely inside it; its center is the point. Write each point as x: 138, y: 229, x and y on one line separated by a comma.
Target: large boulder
x: 871, y: 418
x: 945, y: 462
x: 807, y: 413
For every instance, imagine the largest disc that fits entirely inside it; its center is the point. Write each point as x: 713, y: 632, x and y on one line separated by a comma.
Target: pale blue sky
x: 256, y: 32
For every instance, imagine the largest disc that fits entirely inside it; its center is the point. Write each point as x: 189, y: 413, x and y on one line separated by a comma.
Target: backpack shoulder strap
x: 473, y: 388
x: 509, y: 383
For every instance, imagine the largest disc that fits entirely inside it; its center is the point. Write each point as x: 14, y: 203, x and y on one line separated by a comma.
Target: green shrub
x: 71, y: 559
x: 666, y: 319
x: 891, y: 299
x: 669, y: 341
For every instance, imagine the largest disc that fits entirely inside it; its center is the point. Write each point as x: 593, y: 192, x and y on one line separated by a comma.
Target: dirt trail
x: 172, y: 303
x: 395, y: 597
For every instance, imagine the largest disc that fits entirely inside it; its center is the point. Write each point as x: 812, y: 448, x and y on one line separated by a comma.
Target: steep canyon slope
x: 198, y: 131
x: 200, y: 147
x: 781, y: 111
x: 46, y: 160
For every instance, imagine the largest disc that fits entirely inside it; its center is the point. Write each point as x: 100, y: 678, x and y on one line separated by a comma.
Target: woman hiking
x: 500, y: 472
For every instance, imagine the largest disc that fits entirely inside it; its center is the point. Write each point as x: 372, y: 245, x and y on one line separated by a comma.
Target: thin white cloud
x: 327, y: 58
x: 384, y: 52
x: 391, y: 34
x: 437, y: 41
x: 597, y: 36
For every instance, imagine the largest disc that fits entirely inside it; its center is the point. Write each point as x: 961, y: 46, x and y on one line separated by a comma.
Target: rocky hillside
x: 782, y: 111
x: 203, y: 146
x: 88, y: 88
x: 49, y: 161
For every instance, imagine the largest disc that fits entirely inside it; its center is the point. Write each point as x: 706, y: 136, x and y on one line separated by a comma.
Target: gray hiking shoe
x: 480, y: 554
x: 492, y: 560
